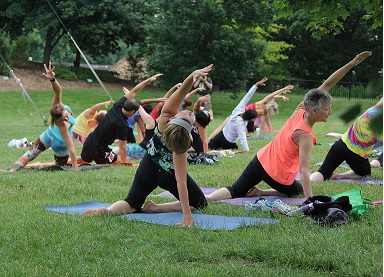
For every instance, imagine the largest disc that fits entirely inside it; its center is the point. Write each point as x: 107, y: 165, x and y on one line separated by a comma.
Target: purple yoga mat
x: 361, y: 181
x: 241, y: 200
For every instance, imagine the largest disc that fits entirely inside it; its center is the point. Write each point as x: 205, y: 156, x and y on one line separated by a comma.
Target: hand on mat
x: 187, y: 222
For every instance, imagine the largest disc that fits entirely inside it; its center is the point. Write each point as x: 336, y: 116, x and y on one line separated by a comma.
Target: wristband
x: 52, y: 80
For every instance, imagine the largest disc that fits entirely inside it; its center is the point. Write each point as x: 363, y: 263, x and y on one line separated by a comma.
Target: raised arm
x: 281, y: 96
x: 57, y: 97
x: 199, y: 102
x: 148, y: 120
x: 378, y: 104
x: 275, y: 94
x: 339, y: 74
x: 139, y: 87
x: 193, y: 92
x: 90, y: 112
x: 171, y: 107
x: 172, y: 90
x: 152, y: 100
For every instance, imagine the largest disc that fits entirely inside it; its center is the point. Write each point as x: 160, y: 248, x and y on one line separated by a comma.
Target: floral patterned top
x: 160, y: 154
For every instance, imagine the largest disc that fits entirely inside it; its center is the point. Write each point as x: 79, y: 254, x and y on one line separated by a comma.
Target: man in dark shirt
x: 113, y: 126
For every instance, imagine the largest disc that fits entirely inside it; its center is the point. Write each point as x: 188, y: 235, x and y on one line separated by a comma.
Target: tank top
x: 54, y: 132
x: 159, y: 153
x: 280, y: 158
x: 81, y: 125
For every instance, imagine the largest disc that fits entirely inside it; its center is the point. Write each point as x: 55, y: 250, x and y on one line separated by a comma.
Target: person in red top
x: 288, y: 153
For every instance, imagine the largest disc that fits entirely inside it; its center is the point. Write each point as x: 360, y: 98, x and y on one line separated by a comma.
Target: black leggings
x: 253, y: 174
x: 338, y: 153
x: 149, y: 176
x: 220, y: 142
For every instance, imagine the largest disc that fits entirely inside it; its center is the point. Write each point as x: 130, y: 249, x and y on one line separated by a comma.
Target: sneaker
x: 263, y: 205
x: 278, y: 206
x: 259, y: 205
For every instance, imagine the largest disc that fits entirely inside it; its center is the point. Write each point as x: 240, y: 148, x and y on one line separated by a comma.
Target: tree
x: 314, y: 58
x: 187, y: 35
x: 330, y: 16
x: 96, y: 25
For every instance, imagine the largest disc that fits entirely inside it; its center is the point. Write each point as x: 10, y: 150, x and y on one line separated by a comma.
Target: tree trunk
x: 48, y: 46
x: 76, y: 63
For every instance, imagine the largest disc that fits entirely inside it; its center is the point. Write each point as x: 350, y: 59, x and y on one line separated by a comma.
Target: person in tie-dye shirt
x: 354, y: 147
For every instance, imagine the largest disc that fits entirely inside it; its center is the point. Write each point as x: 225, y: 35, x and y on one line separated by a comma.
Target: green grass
x: 35, y: 242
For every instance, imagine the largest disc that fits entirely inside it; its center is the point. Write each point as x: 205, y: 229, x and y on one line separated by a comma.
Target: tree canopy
x: 245, y: 40
x: 331, y: 16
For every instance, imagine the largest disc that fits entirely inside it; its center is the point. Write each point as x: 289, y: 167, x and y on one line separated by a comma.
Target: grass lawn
x: 35, y: 242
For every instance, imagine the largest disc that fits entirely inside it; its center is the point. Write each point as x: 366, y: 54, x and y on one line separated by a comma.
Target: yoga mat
x: 51, y: 166
x: 333, y: 134
x: 67, y: 168
x: 361, y: 181
x: 241, y: 200
x: 260, y: 137
x: 202, y: 221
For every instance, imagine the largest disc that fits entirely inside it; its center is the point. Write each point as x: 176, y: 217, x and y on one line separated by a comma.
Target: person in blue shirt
x: 58, y: 135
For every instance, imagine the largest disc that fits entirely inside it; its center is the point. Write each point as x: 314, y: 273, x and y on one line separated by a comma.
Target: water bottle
x: 257, y: 132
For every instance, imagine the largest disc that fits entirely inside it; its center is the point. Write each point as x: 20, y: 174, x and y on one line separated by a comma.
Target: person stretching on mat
x: 233, y: 127
x: 278, y: 163
x: 202, y: 118
x: 88, y: 120
x: 354, y: 147
x: 58, y: 134
x: 137, y: 151
x: 113, y: 126
x: 266, y: 109
x: 165, y: 164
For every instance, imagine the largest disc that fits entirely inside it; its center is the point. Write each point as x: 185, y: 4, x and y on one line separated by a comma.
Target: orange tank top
x: 280, y: 157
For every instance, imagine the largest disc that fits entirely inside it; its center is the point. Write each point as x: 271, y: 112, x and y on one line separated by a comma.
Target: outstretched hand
x: 201, y: 72
x: 360, y: 57
x: 107, y: 103
x: 154, y: 77
x: 285, y: 98
x: 289, y: 87
x: 49, y: 71
x: 262, y: 82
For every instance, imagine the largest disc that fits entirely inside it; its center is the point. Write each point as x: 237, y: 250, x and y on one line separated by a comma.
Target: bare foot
x: 207, y: 197
x: 253, y: 192
x: 149, y: 207
x: 98, y: 211
x: 334, y: 176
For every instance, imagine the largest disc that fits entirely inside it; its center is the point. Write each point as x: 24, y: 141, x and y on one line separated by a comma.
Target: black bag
x: 202, y: 158
x: 328, y: 211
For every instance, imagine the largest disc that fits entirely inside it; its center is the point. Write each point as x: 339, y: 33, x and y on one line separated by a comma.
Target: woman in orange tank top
x: 288, y: 153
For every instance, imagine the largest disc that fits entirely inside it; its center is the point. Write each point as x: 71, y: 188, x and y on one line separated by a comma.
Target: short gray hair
x: 315, y: 99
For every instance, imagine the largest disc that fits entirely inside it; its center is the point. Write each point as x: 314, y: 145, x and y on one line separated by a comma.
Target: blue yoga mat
x: 202, y: 221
